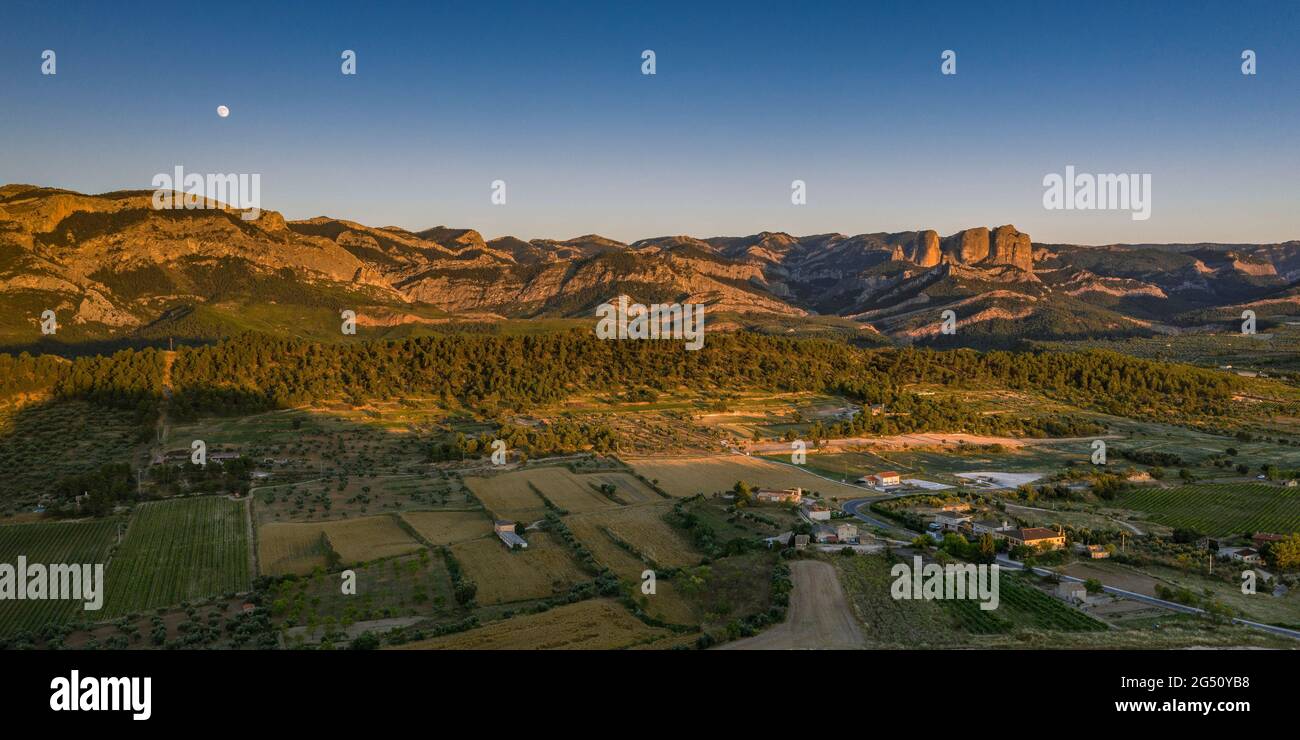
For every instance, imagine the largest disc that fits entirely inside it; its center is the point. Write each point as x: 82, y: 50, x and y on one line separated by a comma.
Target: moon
x: 223, y: 111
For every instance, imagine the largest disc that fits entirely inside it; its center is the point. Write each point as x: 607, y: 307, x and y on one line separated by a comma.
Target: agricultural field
x: 342, y: 497
x: 370, y: 439
x: 545, y: 569
x: 291, y: 549
x: 409, y: 586
x: 42, y: 443
x: 447, y: 527
x: 179, y: 550
x: 577, y: 493
x: 48, y: 543
x: 508, y: 496
x: 910, y: 623
x: 1220, y: 509
x: 299, y: 548
x: 1262, y: 606
x: 688, y: 476
x: 1274, y: 349
x: 522, y: 495
x: 626, y: 539
x: 595, y: 624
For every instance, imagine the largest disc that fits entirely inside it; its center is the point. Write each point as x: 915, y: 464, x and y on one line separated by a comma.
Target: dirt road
x: 819, y: 617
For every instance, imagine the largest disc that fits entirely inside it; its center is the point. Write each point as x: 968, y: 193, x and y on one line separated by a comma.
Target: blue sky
x: 747, y: 97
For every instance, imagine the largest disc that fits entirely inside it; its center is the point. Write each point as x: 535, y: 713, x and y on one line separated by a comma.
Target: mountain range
x: 110, y: 265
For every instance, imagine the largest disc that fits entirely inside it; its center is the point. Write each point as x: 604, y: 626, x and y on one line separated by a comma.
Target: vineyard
x: 1221, y: 509
x: 179, y: 550
x: 1020, y: 605
x: 49, y: 543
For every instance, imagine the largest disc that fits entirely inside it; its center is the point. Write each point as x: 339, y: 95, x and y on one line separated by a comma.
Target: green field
x: 179, y: 550
x: 1220, y: 509
x: 49, y: 543
x: 43, y: 443
x: 912, y: 623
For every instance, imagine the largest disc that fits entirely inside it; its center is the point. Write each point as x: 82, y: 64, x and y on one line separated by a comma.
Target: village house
x: 951, y: 521
x: 816, y: 511
x: 1246, y: 555
x: 846, y: 533
x: 1039, y: 538
x: 988, y: 526
x: 883, y: 478
x: 825, y: 534
x: 778, y: 495
x: 800, y: 541
x: 1262, y: 538
x: 1097, y: 552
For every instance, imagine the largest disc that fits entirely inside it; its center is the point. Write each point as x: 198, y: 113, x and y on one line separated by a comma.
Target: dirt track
x: 819, y: 616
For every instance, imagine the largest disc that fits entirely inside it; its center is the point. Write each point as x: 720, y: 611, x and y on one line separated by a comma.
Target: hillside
x: 113, y: 267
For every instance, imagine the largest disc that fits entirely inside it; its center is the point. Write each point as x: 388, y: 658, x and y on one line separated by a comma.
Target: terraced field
x: 178, y: 550
x: 1220, y: 509
x: 48, y: 543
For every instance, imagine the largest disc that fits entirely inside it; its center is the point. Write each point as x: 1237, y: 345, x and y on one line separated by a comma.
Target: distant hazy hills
x: 111, y: 266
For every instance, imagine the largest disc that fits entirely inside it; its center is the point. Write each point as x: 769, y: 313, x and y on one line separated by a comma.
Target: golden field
x: 544, y: 569
x: 596, y: 624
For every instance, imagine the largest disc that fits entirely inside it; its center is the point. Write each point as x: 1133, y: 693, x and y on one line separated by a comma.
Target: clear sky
x: 748, y: 96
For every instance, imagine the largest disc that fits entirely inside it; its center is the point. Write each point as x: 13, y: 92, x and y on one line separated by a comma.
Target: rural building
x: 779, y: 495
x: 1072, y: 591
x: 884, y: 478
x: 951, y: 520
x: 824, y: 534
x: 1246, y: 555
x: 513, y: 540
x: 1097, y: 552
x: 1039, y: 538
x: 846, y: 533
x: 800, y: 541
x: 988, y: 526
x: 1262, y: 538
x: 1291, y: 483
x: 817, y: 512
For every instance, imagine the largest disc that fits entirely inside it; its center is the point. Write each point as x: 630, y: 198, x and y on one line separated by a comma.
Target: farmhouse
x: 779, y: 495
x: 988, y: 526
x: 1072, y: 591
x: 951, y: 521
x: 1246, y: 555
x: 1262, y: 538
x: 884, y: 478
x: 846, y: 533
x: 817, y: 512
x: 506, y: 531
x: 1039, y: 538
x: 1097, y: 552
x: 824, y: 534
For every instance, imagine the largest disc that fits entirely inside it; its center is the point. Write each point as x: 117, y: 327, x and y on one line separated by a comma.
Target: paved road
x: 1006, y: 562
x: 819, y: 617
x: 854, y: 508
